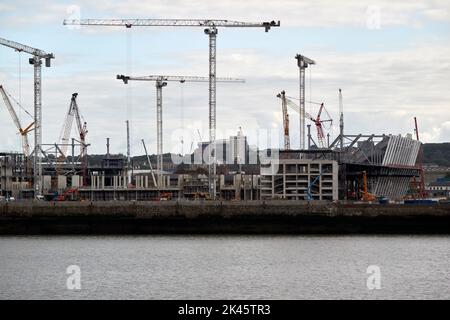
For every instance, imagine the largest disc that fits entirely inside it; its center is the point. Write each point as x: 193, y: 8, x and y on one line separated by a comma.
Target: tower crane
x: 161, y: 81
x: 317, y: 120
x: 211, y: 27
x: 302, y: 63
x: 36, y: 61
x: 23, y: 131
x: 282, y: 96
x: 74, y: 112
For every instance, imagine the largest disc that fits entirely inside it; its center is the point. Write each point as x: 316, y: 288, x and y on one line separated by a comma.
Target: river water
x: 225, y: 267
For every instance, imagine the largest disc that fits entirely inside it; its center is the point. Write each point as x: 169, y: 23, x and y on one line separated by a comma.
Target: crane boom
x: 170, y: 23
x: 67, y: 125
x: 175, y: 78
x: 317, y: 121
x: 27, y: 49
x: 23, y: 131
x: 10, y: 108
x: 291, y: 104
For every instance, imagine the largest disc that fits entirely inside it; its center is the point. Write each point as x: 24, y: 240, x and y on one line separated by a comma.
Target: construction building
x: 351, y: 167
x: 300, y: 179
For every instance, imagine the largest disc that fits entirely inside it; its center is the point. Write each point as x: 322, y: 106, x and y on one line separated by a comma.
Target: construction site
x: 353, y: 167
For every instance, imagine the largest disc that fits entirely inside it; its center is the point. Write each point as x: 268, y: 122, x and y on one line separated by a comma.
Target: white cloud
x: 383, y: 90
x: 382, y: 94
x: 317, y: 13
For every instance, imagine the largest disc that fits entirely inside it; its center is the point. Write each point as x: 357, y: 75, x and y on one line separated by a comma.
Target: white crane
x: 36, y: 61
x: 23, y: 131
x: 74, y: 112
x: 161, y: 81
x: 211, y: 27
x: 302, y: 63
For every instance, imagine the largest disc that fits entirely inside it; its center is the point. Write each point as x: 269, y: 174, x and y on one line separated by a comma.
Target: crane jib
x: 172, y: 23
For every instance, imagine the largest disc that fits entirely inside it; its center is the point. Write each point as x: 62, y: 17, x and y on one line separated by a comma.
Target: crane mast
x: 128, y: 152
x: 160, y: 82
x: 302, y: 63
x: 282, y: 96
x: 210, y: 26
x: 36, y: 61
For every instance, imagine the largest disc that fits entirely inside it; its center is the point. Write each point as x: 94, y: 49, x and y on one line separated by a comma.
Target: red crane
x: 318, y: 121
x: 422, y: 193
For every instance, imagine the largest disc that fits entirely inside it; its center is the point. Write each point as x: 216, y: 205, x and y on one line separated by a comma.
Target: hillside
x: 438, y: 153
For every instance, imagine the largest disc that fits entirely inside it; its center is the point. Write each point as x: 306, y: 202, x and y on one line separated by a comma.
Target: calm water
x: 225, y: 267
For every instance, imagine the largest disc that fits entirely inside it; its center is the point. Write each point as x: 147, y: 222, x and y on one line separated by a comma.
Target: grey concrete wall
x: 220, y: 217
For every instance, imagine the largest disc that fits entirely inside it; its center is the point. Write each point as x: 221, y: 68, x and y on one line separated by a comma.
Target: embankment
x: 245, y: 217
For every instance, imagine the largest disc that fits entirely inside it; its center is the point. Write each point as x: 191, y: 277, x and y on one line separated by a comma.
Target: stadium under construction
x: 359, y: 167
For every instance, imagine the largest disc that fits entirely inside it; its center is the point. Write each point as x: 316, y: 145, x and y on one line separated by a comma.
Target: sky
x: 390, y: 58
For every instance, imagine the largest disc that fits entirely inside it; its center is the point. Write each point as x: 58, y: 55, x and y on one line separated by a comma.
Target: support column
x: 212, y: 32
x: 159, y: 163
x: 37, y: 164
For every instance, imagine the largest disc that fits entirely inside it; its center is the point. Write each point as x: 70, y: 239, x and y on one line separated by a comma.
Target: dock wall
x: 244, y: 217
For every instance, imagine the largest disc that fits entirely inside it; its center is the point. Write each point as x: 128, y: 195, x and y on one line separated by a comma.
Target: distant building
x: 433, y: 172
x: 439, y: 188
x: 234, y: 150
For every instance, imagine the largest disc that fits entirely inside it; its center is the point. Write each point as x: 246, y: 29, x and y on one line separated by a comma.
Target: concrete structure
x: 15, y: 176
x: 300, y: 179
x: 245, y: 217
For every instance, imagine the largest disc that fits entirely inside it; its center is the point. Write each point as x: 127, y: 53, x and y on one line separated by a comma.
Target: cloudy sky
x: 391, y: 59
